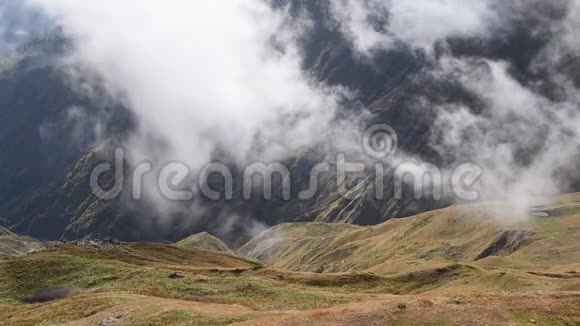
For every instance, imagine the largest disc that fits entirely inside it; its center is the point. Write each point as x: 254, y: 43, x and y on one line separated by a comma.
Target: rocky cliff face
x: 47, y: 139
x: 50, y: 142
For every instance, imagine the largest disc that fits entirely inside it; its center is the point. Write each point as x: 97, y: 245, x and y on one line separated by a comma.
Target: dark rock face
x: 46, y: 166
x: 44, y: 171
x: 506, y: 244
x: 46, y: 149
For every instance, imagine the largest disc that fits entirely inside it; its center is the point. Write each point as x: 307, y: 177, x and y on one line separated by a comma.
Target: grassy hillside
x: 204, y: 241
x: 456, y: 266
x: 150, y: 284
x: 165, y: 284
x: 468, y: 235
x: 285, y: 245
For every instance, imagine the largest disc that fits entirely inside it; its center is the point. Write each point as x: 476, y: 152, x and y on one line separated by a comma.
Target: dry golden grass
x: 516, y: 309
x: 417, y: 271
x: 204, y: 241
x: 433, y: 239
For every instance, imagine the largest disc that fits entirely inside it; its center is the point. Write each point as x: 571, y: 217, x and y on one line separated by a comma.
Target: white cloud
x: 201, y: 74
x: 201, y: 77
x: 354, y: 17
x: 421, y: 23
x: 18, y: 23
x: 570, y: 26
x: 374, y: 25
x: 226, y: 74
x: 525, y: 143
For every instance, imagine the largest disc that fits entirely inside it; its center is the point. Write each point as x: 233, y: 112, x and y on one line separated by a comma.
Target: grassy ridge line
x: 452, y: 235
x: 349, y: 248
x: 205, y: 241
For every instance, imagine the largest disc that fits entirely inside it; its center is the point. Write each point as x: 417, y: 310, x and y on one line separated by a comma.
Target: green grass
x: 324, y: 229
x: 407, y: 257
x: 565, y: 209
x: 20, y: 277
x: 422, y: 281
x: 256, y: 293
x: 549, y: 226
x: 64, y: 312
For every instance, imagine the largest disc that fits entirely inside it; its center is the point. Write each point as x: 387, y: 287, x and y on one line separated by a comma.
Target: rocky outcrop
x: 13, y: 245
x: 506, y: 244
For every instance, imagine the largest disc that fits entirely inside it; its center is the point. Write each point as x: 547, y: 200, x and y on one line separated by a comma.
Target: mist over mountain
x: 20, y: 23
x: 296, y: 82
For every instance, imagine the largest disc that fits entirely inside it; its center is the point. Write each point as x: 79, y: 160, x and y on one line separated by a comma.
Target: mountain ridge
x: 46, y: 170
x: 459, y: 234
x: 204, y: 241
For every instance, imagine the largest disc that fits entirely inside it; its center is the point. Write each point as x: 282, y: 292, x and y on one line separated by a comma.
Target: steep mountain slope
x: 46, y: 132
x: 46, y: 172
x: 5, y: 232
x: 50, y: 145
x: 469, y: 235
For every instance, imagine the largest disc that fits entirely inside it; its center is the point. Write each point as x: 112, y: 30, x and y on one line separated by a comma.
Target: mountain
x: 46, y: 171
x: 504, y: 98
x: 5, y: 232
x: 52, y: 137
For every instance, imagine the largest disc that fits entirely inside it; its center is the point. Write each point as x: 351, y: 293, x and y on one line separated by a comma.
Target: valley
x: 289, y: 162
x: 445, y: 267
